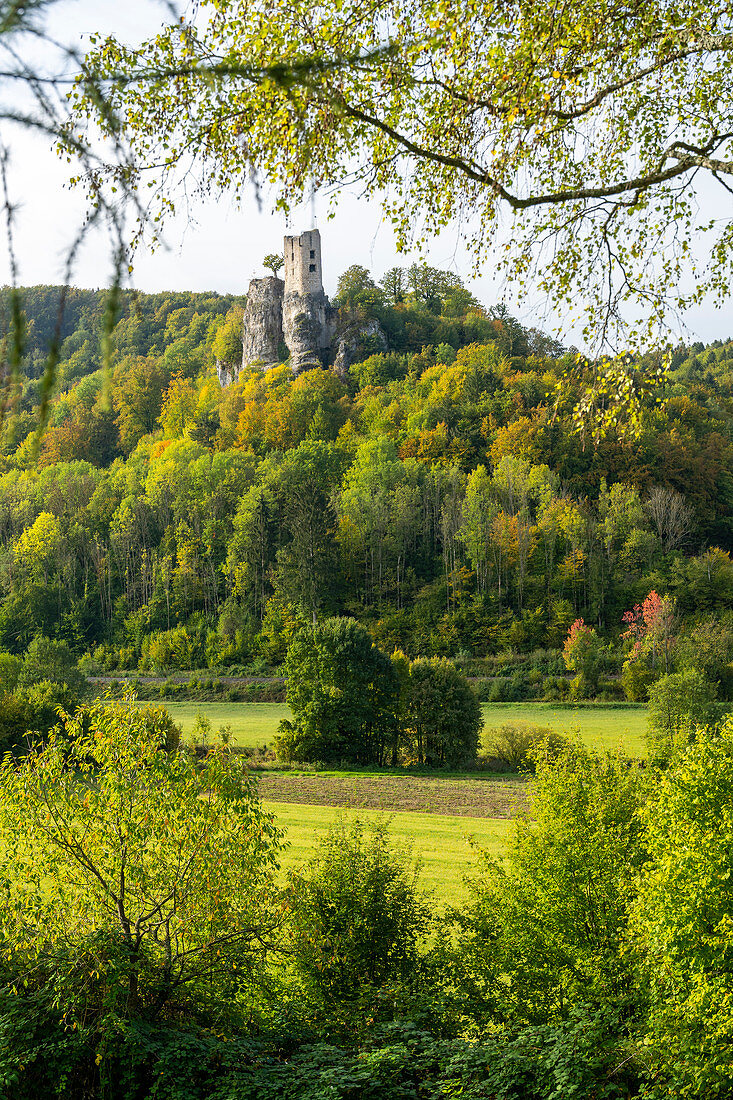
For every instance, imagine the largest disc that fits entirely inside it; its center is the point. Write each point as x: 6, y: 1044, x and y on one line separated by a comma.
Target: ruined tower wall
x: 303, y: 271
x: 306, y: 312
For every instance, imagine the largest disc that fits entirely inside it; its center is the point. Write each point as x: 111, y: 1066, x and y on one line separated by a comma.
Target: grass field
x: 305, y: 804
x: 600, y: 727
x: 252, y: 723
x: 441, y: 842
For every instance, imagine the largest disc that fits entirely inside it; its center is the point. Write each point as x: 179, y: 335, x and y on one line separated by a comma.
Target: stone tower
x: 306, y: 309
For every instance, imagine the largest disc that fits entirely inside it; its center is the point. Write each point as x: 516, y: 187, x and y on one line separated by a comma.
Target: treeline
x: 444, y: 494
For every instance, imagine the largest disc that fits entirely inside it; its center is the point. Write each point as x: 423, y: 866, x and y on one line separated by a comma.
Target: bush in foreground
x: 546, y: 934
x: 357, y: 917
x: 132, y: 879
x: 686, y: 920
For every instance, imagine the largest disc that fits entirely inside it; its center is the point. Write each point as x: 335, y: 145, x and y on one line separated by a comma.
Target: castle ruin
x: 294, y: 311
x: 307, y: 327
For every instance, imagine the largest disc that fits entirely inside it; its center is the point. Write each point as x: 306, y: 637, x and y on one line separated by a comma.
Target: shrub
x: 126, y: 658
x: 554, y: 687
x: 10, y: 667
x: 168, y: 650
x: 579, y: 687
x: 545, y: 934
x: 584, y: 653
x: 356, y: 919
x: 158, y: 722
x: 685, y: 920
x: 15, y: 721
x: 89, y: 665
x: 498, y: 692
x: 47, y: 661
x: 511, y: 746
x: 678, y: 704
x: 522, y: 687
x: 636, y: 679
x: 610, y: 691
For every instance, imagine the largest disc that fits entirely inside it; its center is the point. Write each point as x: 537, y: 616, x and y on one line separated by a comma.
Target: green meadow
x: 442, y: 843
x: 251, y: 723
x: 619, y: 727
x: 614, y: 727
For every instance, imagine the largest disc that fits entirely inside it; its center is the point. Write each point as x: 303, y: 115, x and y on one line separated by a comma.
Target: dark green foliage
x: 343, y: 692
x: 357, y: 917
x: 708, y: 648
x: 398, y: 1061
x: 442, y: 716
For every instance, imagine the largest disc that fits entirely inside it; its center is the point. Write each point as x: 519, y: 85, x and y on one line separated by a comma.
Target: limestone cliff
x: 263, y: 322
x: 305, y: 329
x: 356, y: 343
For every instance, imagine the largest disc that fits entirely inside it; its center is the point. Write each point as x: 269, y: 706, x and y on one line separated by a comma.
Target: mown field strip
x: 442, y: 842
x: 600, y: 727
x: 252, y: 723
x: 477, y: 798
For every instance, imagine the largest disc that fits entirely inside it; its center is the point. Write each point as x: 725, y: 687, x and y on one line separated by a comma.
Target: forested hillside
x: 447, y: 494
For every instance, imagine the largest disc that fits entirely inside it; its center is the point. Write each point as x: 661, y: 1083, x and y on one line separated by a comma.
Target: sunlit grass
x: 441, y: 842
x: 600, y: 727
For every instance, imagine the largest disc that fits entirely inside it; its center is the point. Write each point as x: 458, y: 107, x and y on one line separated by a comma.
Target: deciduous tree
x: 130, y: 875
x: 590, y: 126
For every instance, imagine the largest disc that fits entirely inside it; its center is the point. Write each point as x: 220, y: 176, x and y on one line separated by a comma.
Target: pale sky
x: 222, y: 248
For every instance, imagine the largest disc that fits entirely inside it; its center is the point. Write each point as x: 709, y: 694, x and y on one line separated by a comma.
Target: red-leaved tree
x: 650, y: 626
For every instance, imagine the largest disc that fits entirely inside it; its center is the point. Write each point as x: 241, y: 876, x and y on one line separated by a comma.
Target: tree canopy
x: 592, y: 127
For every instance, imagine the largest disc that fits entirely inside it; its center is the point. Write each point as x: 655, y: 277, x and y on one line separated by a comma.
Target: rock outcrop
x: 304, y: 329
x: 295, y: 311
x: 227, y: 372
x: 357, y: 342
x: 262, y: 331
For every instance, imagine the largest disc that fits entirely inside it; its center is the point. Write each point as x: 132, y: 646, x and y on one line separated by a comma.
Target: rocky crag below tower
x: 296, y: 312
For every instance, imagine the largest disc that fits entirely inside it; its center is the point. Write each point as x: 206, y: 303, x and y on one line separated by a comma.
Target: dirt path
x: 458, y: 797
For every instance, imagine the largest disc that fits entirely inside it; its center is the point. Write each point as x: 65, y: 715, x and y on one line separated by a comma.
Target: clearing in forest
x: 600, y: 727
